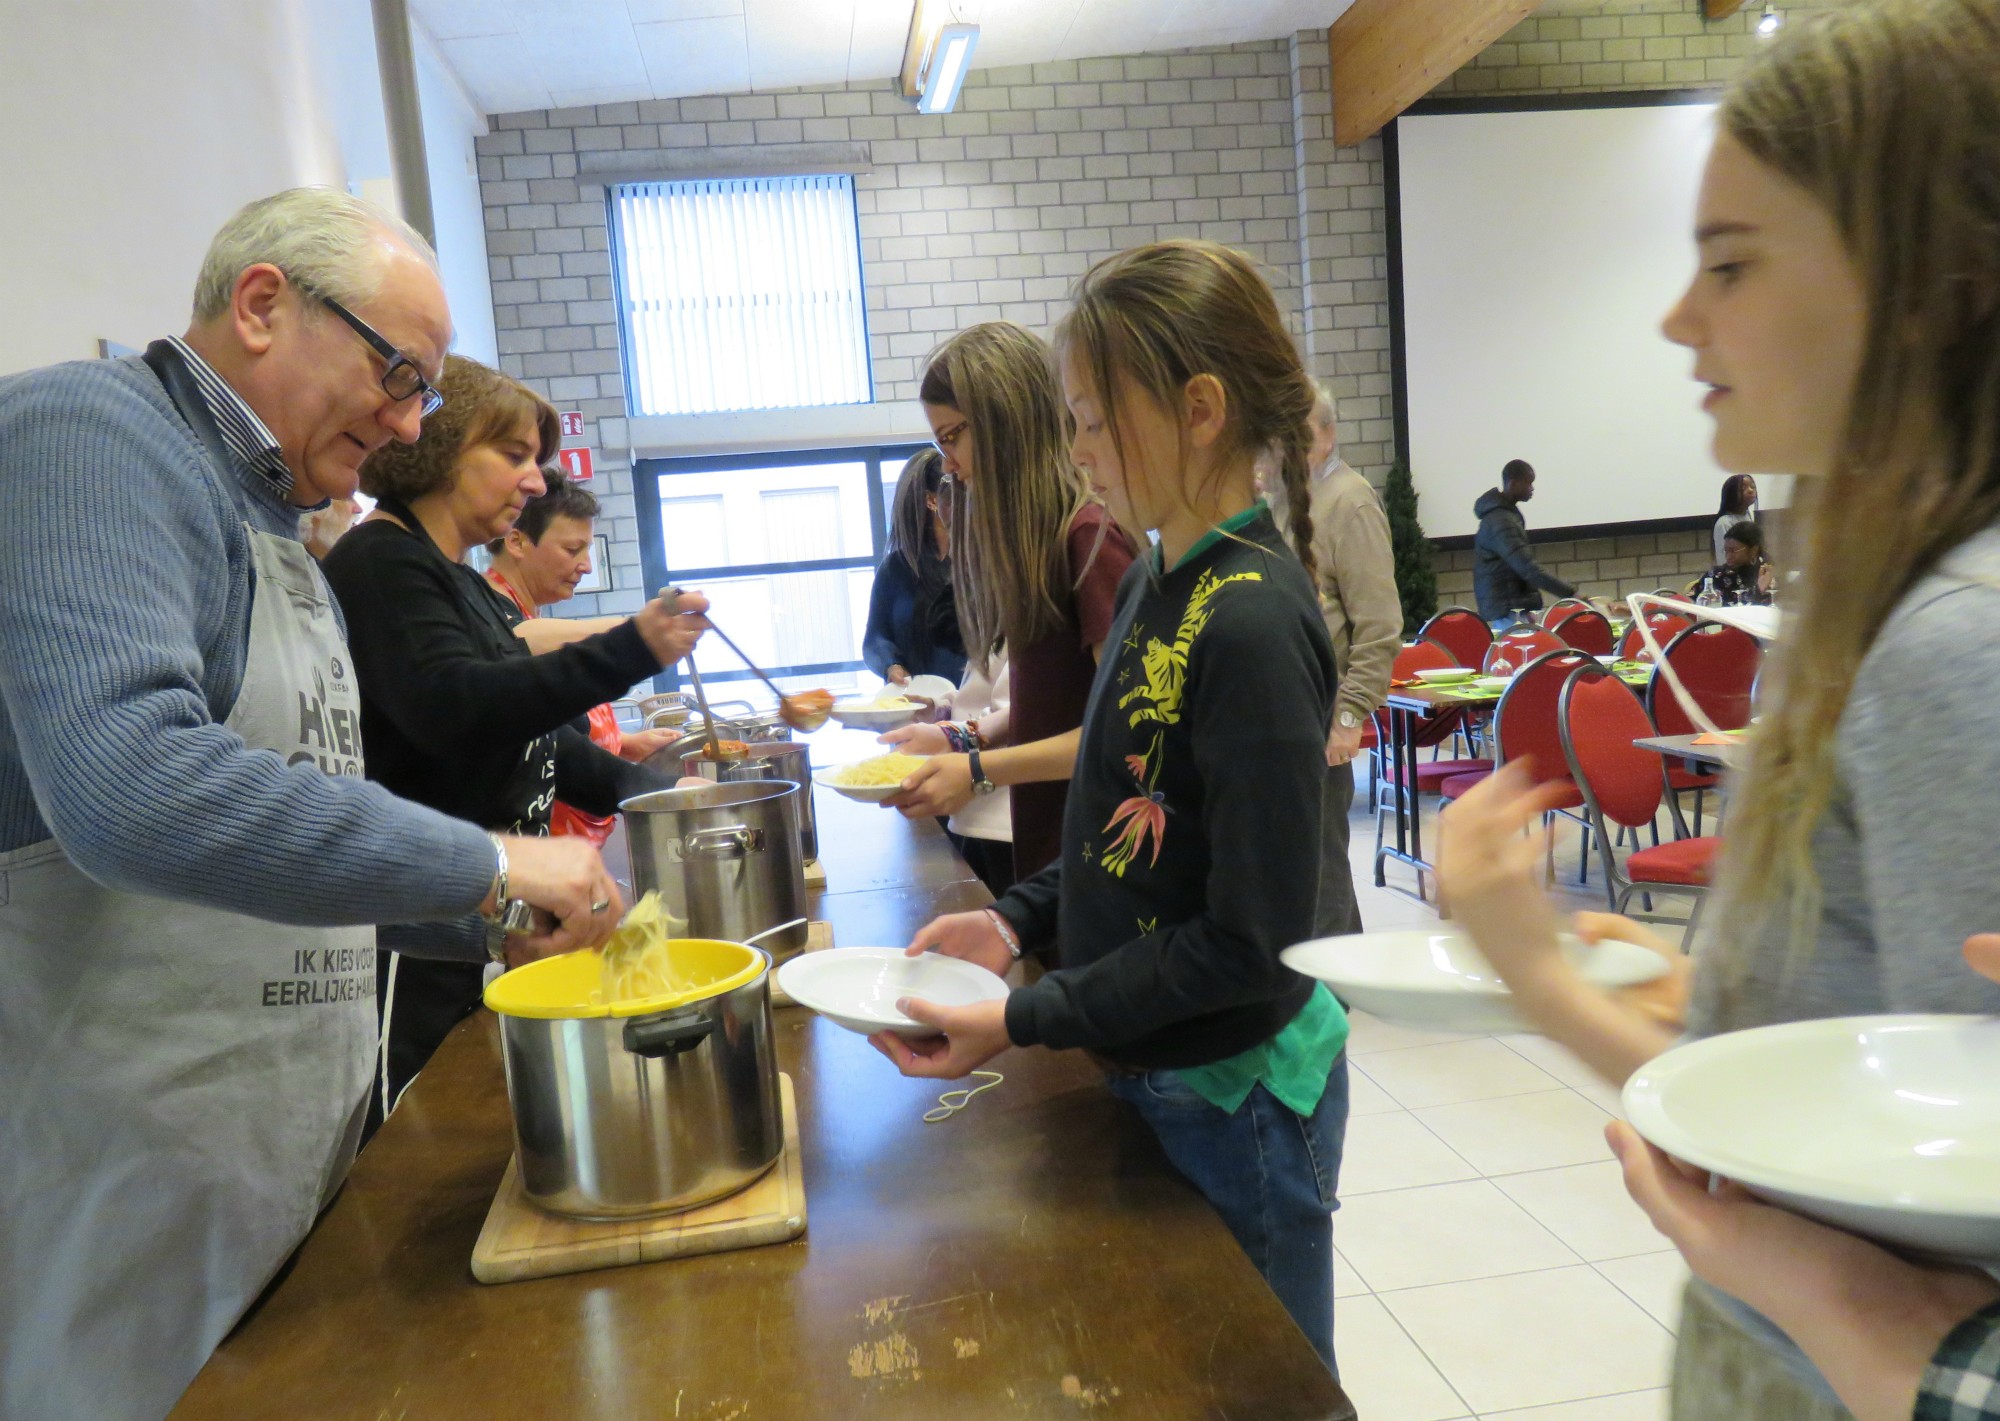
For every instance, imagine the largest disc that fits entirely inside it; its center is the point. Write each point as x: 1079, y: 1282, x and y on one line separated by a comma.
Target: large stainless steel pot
x: 617, y: 1116
x: 724, y: 857
x: 768, y: 760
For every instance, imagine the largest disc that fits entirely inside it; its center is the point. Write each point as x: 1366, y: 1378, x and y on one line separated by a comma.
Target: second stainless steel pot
x: 768, y: 760
x: 724, y: 857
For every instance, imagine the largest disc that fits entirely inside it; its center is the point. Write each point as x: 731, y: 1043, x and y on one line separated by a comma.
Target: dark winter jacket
x: 1504, y: 572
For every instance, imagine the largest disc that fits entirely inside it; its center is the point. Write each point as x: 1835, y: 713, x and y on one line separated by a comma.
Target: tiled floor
x: 1490, y: 1264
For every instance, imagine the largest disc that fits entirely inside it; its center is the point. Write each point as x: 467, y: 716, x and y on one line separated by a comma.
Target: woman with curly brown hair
x: 456, y: 711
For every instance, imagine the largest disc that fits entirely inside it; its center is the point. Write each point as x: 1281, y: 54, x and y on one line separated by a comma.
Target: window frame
x: 649, y: 478
x: 622, y: 308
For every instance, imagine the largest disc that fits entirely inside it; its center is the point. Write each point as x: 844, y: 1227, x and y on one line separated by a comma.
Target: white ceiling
x: 537, y: 54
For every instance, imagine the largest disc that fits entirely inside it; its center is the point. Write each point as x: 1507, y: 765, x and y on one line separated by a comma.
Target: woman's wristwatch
x: 980, y: 784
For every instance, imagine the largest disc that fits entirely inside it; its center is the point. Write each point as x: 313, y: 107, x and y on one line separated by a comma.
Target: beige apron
x: 182, y: 1085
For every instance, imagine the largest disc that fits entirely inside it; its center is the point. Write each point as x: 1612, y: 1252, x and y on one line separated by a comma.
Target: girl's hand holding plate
x: 972, y: 1036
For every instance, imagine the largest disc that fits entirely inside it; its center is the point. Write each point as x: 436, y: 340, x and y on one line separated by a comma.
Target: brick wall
x: 987, y: 213
x: 1600, y: 567
x: 993, y: 211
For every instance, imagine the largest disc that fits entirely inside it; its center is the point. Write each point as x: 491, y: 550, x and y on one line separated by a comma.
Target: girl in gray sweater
x: 1846, y: 316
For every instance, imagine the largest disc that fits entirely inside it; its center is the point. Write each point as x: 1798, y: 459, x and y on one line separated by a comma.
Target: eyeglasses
x: 948, y: 440
x: 401, y: 380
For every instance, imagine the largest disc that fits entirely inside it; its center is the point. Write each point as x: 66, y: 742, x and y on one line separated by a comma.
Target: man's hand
x: 972, y: 1036
x: 915, y: 740
x: 566, y: 880
x: 1342, y: 744
x: 670, y: 628
x: 898, y: 676
x: 973, y: 937
x: 941, y: 785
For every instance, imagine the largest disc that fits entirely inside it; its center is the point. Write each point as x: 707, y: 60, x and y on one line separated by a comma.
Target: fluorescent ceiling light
x: 950, y: 62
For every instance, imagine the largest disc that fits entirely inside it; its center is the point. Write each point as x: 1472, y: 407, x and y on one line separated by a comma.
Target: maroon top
x: 1052, y: 677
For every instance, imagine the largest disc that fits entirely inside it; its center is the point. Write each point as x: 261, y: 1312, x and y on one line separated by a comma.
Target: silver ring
x: 600, y: 905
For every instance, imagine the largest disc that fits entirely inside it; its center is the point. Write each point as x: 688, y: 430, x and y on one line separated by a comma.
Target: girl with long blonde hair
x: 1846, y: 319
x: 1036, y: 562
x: 1191, y: 850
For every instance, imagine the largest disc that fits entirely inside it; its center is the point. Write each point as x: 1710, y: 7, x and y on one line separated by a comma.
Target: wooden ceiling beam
x: 1387, y: 54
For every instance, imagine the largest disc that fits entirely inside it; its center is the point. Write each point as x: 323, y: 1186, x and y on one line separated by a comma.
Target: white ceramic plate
x: 1445, y: 675
x: 866, y: 794
x: 1884, y: 1125
x: 1436, y: 980
x: 934, y: 688
x: 1492, y: 683
x: 858, y: 987
x: 866, y: 715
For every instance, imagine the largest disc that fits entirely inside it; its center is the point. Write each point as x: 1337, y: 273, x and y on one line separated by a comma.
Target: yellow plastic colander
x: 568, y: 986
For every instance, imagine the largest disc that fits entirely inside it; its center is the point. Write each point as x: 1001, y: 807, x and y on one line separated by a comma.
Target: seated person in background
x: 1744, y: 576
x: 912, y: 614
x: 1504, y: 572
x: 537, y: 564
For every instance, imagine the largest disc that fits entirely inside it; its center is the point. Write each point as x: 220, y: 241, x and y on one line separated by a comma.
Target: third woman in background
x: 1036, y: 565
x: 912, y: 616
x: 538, y: 564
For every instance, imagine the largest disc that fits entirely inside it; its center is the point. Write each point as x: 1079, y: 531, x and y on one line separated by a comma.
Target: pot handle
x: 657, y: 1036
x: 734, y: 842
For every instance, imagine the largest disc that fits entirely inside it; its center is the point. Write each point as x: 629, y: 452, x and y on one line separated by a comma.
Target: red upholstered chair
x: 1588, y: 630
x: 1516, y: 647
x: 1665, y: 627
x: 1561, y: 611
x: 1599, y: 717
x: 1524, y: 728
x: 1719, y: 666
x: 1463, y: 631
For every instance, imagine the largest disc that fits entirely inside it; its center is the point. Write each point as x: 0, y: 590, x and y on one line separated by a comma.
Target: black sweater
x: 454, y: 707
x: 1191, y: 841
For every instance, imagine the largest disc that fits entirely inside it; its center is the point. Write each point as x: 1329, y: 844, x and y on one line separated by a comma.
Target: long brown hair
x: 1010, y: 570
x: 909, y: 513
x: 1888, y: 113
x: 1162, y: 314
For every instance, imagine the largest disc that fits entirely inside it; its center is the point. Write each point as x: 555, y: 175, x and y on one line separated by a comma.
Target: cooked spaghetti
x: 636, y: 962
x: 890, y: 769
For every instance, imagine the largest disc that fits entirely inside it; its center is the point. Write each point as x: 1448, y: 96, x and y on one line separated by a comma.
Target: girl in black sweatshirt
x: 1191, y: 840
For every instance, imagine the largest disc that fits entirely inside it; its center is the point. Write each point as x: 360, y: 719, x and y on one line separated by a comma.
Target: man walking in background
x: 1505, y: 575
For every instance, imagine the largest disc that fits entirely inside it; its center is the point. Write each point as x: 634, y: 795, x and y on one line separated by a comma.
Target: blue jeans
x: 1271, y: 1174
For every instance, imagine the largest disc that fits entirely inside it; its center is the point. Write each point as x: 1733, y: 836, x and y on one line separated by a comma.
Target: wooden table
x: 1700, y: 759
x: 1034, y: 1256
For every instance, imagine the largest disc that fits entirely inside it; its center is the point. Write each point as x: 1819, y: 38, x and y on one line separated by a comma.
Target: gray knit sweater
x: 1904, y: 854
x: 125, y: 591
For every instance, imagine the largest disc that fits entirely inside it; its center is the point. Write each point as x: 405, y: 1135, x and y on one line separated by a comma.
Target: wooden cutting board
x: 819, y: 937
x: 521, y: 1241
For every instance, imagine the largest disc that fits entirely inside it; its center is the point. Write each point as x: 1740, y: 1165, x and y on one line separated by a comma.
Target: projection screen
x: 1539, y: 250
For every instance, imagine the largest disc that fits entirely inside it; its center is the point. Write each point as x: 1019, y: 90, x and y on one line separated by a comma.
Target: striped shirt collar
x: 247, y: 436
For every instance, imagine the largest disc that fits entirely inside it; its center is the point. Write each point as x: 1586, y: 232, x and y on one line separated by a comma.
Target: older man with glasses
x: 190, y: 858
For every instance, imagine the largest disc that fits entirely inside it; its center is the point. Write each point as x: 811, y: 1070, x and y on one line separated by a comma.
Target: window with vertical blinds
x: 740, y: 294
